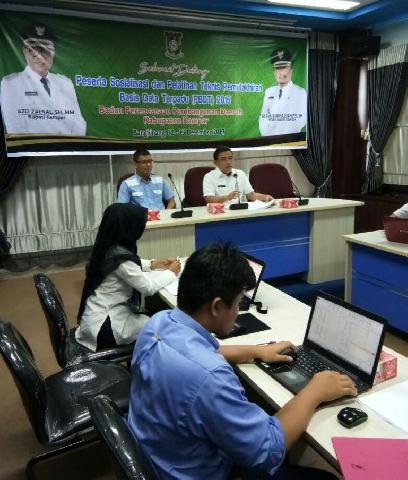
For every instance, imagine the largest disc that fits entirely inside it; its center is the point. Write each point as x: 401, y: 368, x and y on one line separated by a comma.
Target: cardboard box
x: 387, y: 367
x: 289, y: 203
x: 215, y: 208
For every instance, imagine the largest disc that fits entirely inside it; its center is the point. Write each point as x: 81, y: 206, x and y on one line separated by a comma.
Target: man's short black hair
x: 220, y: 150
x: 214, y: 271
x: 139, y: 152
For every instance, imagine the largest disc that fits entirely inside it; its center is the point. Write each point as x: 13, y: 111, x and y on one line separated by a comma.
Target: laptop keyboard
x: 309, y: 363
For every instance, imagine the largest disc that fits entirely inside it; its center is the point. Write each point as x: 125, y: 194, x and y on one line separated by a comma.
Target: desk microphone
x: 181, y: 213
x: 240, y: 205
x: 301, y: 201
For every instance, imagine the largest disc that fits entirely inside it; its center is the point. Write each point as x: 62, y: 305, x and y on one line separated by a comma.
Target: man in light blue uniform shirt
x: 144, y: 188
x: 187, y: 406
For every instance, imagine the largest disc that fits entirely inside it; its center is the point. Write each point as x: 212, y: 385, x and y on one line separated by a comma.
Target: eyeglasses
x: 144, y: 162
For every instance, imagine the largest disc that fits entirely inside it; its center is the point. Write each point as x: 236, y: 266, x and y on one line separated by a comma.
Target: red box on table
x: 215, y: 208
x: 153, y: 215
x: 289, y: 203
x: 387, y: 367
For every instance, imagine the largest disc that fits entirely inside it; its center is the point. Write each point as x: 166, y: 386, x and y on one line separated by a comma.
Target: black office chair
x: 129, y: 460
x: 57, y: 406
x: 67, y: 350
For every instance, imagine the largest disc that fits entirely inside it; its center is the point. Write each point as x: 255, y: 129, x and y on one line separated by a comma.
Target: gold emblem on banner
x: 173, y: 45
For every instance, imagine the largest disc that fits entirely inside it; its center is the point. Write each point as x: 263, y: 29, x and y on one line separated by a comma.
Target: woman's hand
x: 175, y: 266
x: 172, y: 264
x: 162, y: 264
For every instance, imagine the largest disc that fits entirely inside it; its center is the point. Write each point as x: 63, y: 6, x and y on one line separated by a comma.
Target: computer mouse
x: 350, y: 417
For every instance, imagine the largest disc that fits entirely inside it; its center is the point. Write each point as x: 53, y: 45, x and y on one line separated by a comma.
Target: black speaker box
x: 364, y: 46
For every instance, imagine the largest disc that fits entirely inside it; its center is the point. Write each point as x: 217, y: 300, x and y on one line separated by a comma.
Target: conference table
x: 306, y: 240
x: 376, y: 276
x: 288, y: 318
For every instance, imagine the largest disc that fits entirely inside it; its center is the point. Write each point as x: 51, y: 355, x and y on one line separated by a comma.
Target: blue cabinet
x: 380, y: 284
x: 282, y: 241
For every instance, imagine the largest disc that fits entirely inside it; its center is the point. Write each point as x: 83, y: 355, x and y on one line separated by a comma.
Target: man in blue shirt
x: 144, y: 188
x: 187, y: 406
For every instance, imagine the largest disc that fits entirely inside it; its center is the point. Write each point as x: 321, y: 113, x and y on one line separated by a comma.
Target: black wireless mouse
x: 350, y: 417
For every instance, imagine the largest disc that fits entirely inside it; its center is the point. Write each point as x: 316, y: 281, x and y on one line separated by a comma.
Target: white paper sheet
x: 258, y: 205
x: 391, y: 403
x: 173, y: 287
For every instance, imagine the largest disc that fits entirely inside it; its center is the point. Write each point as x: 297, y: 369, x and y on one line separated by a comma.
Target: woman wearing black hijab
x: 117, y: 279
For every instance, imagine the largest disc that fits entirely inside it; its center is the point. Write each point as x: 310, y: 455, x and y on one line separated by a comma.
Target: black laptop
x: 246, y: 322
x: 339, y: 337
x: 258, y: 266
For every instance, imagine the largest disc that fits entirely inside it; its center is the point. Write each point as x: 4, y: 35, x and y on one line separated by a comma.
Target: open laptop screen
x: 343, y: 331
x: 258, y: 267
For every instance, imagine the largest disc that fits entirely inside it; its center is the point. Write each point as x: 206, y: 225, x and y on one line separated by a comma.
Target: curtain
x: 9, y: 167
x: 387, y: 85
x: 315, y: 161
x: 394, y: 153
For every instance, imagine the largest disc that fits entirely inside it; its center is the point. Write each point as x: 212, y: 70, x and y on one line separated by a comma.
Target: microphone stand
x: 240, y: 205
x: 181, y: 213
x: 301, y: 201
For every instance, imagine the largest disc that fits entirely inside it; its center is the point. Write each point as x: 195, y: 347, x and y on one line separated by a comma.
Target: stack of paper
x: 391, y: 403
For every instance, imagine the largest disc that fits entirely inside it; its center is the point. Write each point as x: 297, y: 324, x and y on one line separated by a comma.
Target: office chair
x: 57, y: 406
x: 129, y: 460
x: 193, y: 186
x: 121, y: 179
x: 67, y: 350
x: 271, y: 179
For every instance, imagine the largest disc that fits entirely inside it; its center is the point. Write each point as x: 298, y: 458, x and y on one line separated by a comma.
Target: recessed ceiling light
x: 324, y: 4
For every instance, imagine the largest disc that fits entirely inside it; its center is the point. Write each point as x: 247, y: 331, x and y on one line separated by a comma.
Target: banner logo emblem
x: 39, y: 30
x: 173, y: 45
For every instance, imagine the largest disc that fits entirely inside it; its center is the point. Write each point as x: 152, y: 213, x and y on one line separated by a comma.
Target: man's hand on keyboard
x: 276, y: 352
x: 329, y: 385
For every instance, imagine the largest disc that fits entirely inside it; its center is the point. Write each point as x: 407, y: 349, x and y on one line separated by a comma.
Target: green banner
x: 90, y: 82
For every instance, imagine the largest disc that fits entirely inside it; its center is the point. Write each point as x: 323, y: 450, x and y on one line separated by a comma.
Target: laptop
x: 258, y: 266
x: 246, y: 322
x: 396, y: 229
x: 340, y: 337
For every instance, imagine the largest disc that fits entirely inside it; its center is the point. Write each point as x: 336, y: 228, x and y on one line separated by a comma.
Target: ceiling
x: 371, y: 14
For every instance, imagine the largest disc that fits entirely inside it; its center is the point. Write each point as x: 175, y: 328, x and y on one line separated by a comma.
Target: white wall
x: 395, y: 34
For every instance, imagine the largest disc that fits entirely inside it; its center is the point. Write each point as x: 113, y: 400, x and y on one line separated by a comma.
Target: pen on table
x: 267, y: 343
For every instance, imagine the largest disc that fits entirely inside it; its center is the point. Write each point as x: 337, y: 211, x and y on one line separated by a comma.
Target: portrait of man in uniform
x: 284, y: 108
x: 36, y: 101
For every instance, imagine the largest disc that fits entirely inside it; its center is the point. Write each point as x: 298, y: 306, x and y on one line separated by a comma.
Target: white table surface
x: 288, y: 318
